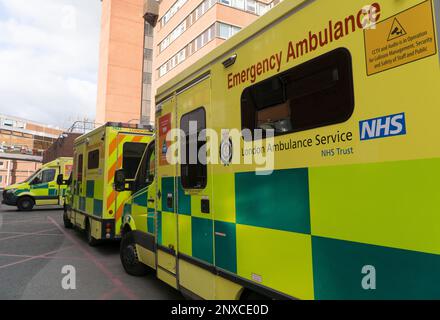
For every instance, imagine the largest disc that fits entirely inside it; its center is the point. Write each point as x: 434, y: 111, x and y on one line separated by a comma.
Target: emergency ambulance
x: 41, y: 188
x: 94, y: 206
x: 350, y: 208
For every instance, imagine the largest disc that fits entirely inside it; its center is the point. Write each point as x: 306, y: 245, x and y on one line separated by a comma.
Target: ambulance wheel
x: 67, y: 223
x: 90, y: 240
x: 25, y: 204
x: 129, y: 257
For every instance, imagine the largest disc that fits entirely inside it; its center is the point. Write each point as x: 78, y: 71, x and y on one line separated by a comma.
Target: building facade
x: 62, y: 147
x: 120, y: 75
x: 22, y: 144
x: 186, y: 30
x: 145, y: 43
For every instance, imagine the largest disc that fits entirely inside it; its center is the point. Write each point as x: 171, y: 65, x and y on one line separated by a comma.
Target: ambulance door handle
x: 151, y: 200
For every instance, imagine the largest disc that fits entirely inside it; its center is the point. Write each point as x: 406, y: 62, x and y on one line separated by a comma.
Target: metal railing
x: 83, y: 127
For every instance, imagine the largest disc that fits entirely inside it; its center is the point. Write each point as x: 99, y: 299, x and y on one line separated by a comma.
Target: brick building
x: 22, y: 143
x: 62, y: 147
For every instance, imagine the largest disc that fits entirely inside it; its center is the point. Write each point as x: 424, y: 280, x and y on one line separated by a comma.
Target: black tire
x: 90, y: 240
x: 25, y: 203
x: 67, y: 223
x: 129, y: 257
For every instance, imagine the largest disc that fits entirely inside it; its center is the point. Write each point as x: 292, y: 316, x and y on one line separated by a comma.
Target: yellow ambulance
x: 350, y: 207
x: 41, y: 188
x: 94, y: 205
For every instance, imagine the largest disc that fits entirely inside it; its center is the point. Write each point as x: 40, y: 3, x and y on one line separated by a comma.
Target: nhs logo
x: 388, y: 126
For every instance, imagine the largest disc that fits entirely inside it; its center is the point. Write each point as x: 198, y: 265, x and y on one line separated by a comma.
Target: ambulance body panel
x: 95, y: 205
x: 350, y: 208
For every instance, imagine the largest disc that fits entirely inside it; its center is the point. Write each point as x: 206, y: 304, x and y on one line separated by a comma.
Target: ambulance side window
x: 193, y: 169
x: 80, y: 168
x: 314, y: 94
x: 93, y: 160
x: 146, y: 169
x: 132, y: 156
x: 37, y: 178
x: 151, y: 164
x: 48, y: 175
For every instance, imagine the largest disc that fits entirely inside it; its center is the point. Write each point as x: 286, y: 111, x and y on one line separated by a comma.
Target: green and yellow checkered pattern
x: 309, y: 233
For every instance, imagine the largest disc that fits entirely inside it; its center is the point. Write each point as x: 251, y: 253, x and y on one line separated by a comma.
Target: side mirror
x: 120, y: 180
x: 60, y: 180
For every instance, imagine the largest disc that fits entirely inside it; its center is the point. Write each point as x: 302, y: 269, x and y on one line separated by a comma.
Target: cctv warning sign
x: 404, y: 38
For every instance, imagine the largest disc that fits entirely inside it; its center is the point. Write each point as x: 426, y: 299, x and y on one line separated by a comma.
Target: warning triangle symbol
x: 396, y: 30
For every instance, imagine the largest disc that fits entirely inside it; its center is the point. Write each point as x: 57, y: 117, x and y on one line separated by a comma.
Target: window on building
x: 132, y: 155
x: 193, y: 168
x: 148, y: 54
x: 189, y: 20
x: 251, y: 6
x: 315, y: 94
x: 8, y: 123
x: 225, y: 31
x: 163, y: 70
x: 198, y: 43
x: 48, y: 175
x: 148, y: 30
x: 20, y: 124
x: 239, y: 4
x: 93, y: 160
x: 262, y: 8
x: 1, y: 179
x: 172, y: 11
x: 146, y: 78
x: 181, y: 56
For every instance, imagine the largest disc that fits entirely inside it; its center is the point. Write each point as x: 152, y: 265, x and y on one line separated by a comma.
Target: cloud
x: 49, y: 59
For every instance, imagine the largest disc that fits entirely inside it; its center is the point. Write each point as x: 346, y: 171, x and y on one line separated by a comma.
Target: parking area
x: 35, y: 250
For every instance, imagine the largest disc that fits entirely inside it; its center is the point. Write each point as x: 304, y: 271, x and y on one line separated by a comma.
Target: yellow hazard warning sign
x: 406, y: 37
x: 396, y: 30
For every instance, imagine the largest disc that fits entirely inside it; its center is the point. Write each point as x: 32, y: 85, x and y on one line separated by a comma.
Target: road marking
x: 108, y: 295
x: 43, y: 257
x: 33, y: 257
x: 30, y: 221
x: 114, y: 279
x: 27, y: 234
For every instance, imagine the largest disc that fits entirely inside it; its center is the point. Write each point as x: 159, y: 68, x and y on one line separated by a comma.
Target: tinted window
x: 146, y: 169
x: 48, y: 176
x: 132, y: 156
x: 79, y: 169
x: 193, y: 169
x: 315, y: 94
x: 93, y: 160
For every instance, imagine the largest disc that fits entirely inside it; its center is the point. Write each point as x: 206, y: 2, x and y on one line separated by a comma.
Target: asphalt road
x: 34, y: 249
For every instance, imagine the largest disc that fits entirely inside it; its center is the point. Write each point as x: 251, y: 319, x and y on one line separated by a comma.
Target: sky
x: 49, y: 59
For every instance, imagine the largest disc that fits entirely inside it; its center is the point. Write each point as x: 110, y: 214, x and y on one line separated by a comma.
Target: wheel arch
x: 128, y: 225
x: 26, y: 195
